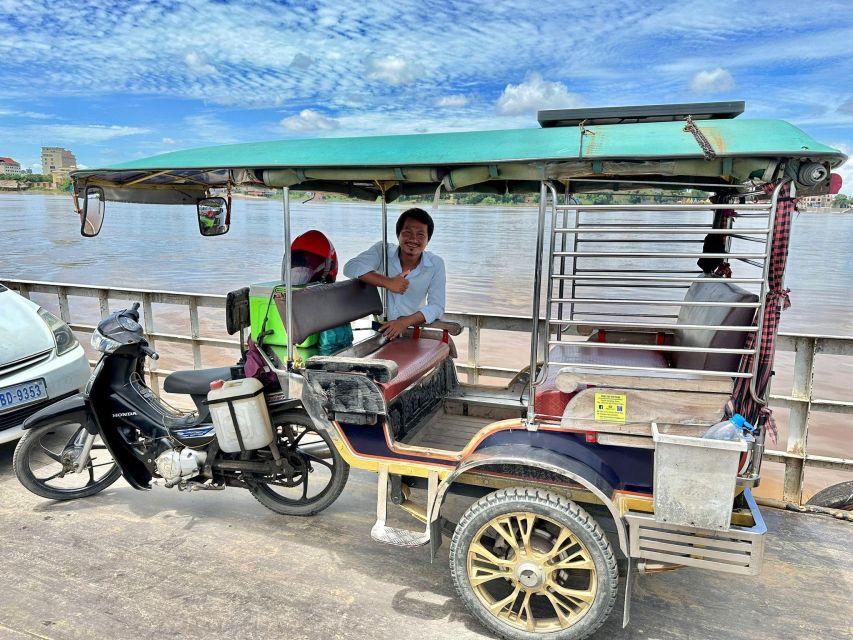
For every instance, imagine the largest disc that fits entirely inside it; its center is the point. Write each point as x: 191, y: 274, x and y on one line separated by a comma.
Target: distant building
x: 57, y: 162
x: 9, y: 167
x: 817, y: 202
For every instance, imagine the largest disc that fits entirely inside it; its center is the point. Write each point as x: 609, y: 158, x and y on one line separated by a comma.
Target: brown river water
x: 488, y: 252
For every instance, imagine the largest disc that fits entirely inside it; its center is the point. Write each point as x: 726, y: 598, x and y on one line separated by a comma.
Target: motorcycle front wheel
x: 316, y: 473
x: 45, y: 458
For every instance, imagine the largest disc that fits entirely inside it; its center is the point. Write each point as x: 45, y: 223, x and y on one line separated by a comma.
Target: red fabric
x: 776, y: 301
x: 414, y: 358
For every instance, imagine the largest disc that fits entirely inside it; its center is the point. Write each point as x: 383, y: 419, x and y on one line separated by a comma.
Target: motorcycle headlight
x: 104, y: 344
x: 65, y: 340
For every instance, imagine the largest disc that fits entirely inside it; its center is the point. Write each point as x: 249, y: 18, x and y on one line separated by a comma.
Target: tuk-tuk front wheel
x: 532, y: 564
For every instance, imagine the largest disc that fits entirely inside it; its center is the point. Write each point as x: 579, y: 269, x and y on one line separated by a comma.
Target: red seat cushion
x: 414, y: 358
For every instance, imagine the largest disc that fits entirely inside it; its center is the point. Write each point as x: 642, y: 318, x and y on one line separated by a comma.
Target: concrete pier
x: 164, y: 564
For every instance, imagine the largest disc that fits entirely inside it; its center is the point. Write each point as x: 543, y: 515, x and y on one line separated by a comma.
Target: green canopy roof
x: 508, y: 159
x: 626, y: 141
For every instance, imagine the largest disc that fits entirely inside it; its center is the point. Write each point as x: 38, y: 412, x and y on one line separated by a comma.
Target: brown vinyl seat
x: 415, y: 357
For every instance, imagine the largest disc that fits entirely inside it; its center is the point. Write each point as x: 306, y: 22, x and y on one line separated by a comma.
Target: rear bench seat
x: 551, y: 401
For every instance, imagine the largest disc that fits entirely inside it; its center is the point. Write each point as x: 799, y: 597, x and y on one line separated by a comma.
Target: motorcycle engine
x: 177, y: 465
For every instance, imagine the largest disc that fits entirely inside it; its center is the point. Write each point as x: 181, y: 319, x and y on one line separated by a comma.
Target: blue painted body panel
x: 625, y: 468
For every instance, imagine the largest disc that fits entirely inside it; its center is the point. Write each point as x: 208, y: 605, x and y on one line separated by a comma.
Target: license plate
x: 20, y: 395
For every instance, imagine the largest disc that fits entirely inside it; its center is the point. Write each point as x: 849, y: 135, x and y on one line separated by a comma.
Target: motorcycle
x: 118, y: 427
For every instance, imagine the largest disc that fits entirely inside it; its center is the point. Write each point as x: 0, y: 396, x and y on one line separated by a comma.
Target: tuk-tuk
x: 662, y: 237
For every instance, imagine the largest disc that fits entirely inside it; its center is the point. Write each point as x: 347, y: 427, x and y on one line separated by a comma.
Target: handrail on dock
x: 801, y: 401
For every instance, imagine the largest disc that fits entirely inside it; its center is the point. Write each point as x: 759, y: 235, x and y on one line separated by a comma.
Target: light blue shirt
x: 426, y: 281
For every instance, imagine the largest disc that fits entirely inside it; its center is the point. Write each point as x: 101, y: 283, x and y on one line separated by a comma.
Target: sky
x: 114, y: 81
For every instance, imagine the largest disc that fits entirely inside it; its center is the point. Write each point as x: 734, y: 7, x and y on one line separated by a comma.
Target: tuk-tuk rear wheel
x: 532, y: 564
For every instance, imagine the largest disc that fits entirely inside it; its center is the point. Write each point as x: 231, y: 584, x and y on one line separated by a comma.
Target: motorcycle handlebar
x: 150, y: 352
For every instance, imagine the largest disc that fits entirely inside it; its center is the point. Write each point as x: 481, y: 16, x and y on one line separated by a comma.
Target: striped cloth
x: 776, y: 301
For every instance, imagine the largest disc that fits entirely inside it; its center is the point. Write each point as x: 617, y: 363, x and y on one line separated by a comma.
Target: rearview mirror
x: 214, y: 216
x: 93, y: 212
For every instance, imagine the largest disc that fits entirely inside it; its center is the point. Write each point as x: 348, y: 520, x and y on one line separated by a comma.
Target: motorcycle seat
x: 195, y: 382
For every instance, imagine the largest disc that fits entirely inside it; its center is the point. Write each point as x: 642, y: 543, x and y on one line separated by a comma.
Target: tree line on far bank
x: 32, y: 178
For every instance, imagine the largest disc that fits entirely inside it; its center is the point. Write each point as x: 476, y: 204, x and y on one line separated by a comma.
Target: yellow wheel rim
x: 532, y: 572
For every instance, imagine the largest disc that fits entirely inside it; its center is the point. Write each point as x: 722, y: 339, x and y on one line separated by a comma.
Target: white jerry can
x: 240, y: 416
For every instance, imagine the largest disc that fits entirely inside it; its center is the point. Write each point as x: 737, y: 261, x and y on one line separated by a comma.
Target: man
x: 416, y: 277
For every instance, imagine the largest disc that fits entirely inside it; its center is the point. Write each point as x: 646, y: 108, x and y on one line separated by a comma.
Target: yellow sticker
x: 610, y: 407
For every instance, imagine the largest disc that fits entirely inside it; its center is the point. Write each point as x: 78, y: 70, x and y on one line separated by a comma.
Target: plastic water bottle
x: 731, y: 429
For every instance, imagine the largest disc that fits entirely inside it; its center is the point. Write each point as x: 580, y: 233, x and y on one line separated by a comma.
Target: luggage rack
x: 647, y: 264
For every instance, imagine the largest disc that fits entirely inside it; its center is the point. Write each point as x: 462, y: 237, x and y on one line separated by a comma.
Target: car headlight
x: 104, y: 344
x: 65, y: 340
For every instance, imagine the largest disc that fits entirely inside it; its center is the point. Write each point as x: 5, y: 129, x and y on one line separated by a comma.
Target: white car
x: 40, y: 361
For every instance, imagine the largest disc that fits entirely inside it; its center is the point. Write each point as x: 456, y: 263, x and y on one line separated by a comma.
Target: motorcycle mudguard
x: 70, y: 409
x: 132, y: 468
x: 76, y: 409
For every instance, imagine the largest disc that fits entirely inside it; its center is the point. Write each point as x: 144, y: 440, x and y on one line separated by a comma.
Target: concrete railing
x: 801, y: 400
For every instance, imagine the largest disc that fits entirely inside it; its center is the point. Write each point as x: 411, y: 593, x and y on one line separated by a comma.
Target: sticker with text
x: 610, y: 407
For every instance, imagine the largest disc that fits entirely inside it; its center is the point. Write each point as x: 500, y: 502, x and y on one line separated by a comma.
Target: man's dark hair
x: 416, y: 214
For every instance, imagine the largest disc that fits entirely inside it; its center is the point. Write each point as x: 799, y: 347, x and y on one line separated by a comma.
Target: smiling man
x: 416, y: 277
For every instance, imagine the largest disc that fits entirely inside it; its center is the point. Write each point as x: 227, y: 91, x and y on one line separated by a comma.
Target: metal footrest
x: 391, y: 535
x: 399, y: 537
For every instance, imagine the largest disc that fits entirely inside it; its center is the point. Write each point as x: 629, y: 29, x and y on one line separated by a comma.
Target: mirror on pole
x: 213, y: 216
x: 92, y: 217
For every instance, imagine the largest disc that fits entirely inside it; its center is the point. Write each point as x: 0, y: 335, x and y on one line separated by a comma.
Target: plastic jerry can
x: 240, y: 417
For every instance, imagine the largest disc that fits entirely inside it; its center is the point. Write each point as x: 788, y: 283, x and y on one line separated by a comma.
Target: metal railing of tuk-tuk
x: 632, y: 269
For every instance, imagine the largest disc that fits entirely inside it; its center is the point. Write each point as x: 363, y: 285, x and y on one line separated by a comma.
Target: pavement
x: 164, y: 564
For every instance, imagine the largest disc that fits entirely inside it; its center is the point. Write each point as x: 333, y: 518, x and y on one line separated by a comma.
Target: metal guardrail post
x: 474, y: 350
x: 148, y: 325
x: 104, y: 302
x: 798, y: 422
x: 194, y: 332
x: 64, y: 312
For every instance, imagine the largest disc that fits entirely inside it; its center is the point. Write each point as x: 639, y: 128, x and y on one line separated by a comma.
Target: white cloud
x: 715, y: 81
x: 71, y: 133
x: 33, y: 115
x: 452, y: 101
x: 534, y: 94
x: 309, y: 120
x: 391, y: 70
x: 169, y: 141
x: 198, y: 66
